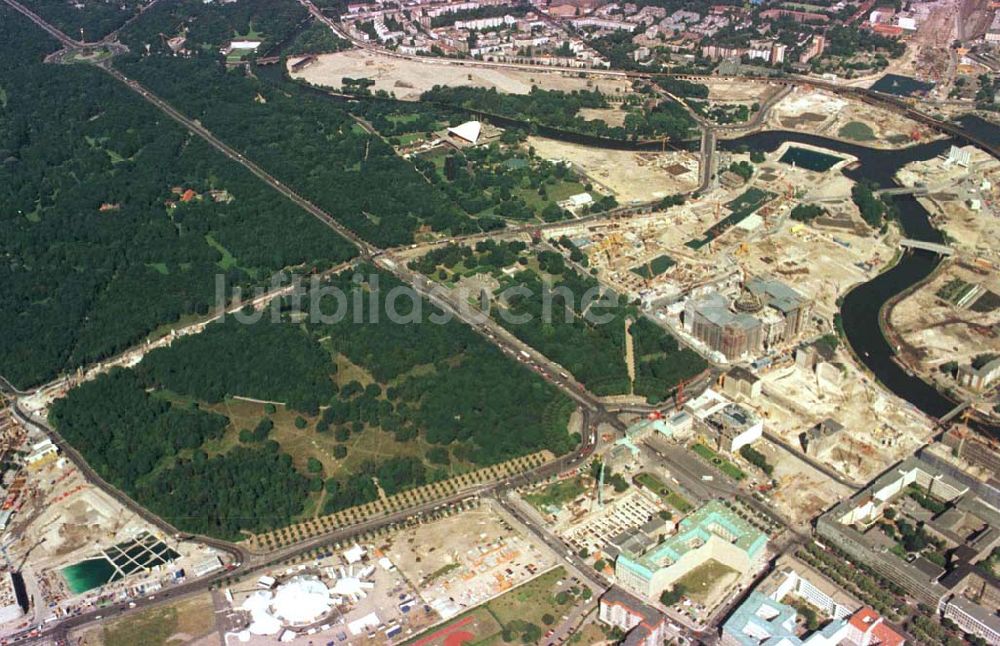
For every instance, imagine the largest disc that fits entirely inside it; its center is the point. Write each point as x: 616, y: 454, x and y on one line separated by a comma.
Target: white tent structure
x: 468, y: 131
x: 301, y: 601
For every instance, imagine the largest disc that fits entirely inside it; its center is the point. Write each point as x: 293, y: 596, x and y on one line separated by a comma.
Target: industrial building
x: 713, y: 532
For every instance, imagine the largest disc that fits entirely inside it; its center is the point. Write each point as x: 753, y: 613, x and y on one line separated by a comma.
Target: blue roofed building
x: 762, y: 621
x: 712, y: 533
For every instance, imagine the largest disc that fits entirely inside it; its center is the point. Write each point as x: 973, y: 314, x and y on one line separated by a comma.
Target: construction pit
x: 629, y: 176
x: 824, y: 113
x: 954, y: 317
x: 800, y: 491
x: 460, y: 561
x: 72, y: 531
x: 407, y: 79
x: 733, y: 91
x: 878, y: 429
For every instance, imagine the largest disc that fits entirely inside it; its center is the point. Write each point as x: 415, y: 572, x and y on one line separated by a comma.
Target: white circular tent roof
x: 303, y: 600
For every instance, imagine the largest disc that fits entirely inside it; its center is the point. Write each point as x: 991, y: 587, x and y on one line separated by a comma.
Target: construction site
x: 629, y: 176
x: 408, y: 79
x: 824, y: 113
x: 86, y: 549
x: 962, y: 186
x: 461, y: 561
x: 742, y: 229
x: 949, y: 322
x: 872, y: 429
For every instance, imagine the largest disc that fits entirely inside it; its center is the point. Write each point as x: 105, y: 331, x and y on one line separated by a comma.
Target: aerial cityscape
x: 484, y: 322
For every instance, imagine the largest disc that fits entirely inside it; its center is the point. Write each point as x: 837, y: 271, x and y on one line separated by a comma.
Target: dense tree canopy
x: 100, y: 245
x: 88, y: 20
x: 208, y: 26
x: 264, y: 360
x: 561, y: 110
x: 307, y: 142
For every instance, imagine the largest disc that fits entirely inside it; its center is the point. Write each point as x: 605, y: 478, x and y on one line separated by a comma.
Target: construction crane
x: 679, y: 398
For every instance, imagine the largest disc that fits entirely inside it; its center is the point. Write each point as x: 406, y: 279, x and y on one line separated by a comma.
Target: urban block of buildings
x: 713, y: 532
x: 642, y: 624
x: 771, y: 615
x: 729, y: 425
x: 967, y: 526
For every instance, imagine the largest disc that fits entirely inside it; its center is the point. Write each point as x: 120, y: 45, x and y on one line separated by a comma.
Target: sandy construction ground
x: 463, y: 560
x: 611, y: 116
x: 739, y: 91
x: 408, y: 79
x: 629, y: 176
x: 878, y: 428
x: 937, y: 331
x: 824, y: 113
x: 802, y: 491
x: 953, y: 189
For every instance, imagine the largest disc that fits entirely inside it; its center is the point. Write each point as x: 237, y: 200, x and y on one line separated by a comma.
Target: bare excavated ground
x: 630, y: 176
x: 408, y: 79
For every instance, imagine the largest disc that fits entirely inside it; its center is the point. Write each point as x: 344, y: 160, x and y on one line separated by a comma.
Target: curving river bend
x: 862, y: 305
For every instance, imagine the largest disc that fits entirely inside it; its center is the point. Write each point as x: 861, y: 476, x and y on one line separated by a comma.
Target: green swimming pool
x: 89, y: 574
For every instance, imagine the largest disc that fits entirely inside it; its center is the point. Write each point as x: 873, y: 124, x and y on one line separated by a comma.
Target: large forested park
x: 583, y: 326
x: 342, y: 410
x: 307, y: 141
x: 86, y: 20
x: 115, y: 220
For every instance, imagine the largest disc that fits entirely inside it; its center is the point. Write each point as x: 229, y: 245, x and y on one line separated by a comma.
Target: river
x: 862, y: 305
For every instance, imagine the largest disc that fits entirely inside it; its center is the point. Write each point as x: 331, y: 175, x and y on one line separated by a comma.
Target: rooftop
x: 712, y: 519
x: 761, y: 620
x: 777, y: 294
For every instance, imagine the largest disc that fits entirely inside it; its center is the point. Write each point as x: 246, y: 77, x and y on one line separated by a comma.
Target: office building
x: 713, y: 532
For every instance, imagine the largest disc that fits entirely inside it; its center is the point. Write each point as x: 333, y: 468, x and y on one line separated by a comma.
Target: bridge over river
x: 941, y: 249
